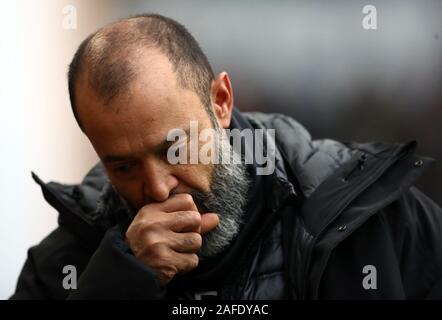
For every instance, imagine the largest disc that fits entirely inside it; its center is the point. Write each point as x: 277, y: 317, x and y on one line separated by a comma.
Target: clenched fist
x: 166, y: 236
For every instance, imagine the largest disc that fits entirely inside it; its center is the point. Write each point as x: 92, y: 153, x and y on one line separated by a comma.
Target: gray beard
x: 227, y: 197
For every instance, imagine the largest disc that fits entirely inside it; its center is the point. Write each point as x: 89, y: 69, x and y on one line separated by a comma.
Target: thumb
x: 209, y: 221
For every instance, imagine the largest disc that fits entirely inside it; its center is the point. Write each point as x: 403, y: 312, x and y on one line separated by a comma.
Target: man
x: 331, y: 221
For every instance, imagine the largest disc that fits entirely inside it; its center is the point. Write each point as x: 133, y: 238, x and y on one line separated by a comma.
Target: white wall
x: 37, y: 129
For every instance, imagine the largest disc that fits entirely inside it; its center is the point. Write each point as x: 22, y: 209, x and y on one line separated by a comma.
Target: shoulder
x: 42, y: 275
x: 311, y: 160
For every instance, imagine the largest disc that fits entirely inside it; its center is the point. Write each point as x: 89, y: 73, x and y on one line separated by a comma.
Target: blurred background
x: 312, y: 60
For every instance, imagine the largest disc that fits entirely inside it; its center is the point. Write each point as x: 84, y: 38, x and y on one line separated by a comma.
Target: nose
x: 158, y: 181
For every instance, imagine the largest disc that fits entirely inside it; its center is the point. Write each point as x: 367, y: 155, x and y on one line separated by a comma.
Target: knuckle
x: 191, y: 242
x: 141, y: 223
x: 164, y: 270
x: 152, y: 226
x: 151, y: 242
x: 190, y: 218
x: 158, y: 249
x: 196, y: 239
x: 145, y: 211
x: 143, y: 229
x: 160, y: 260
x: 168, y: 273
x: 194, y: 260
x: 148, y: 212
x: 193, y: 217
x: 152, y: 250
x: 134, y: 236
x: 187, y: 199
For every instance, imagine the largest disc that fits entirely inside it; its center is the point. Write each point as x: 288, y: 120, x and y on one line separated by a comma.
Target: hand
x: 166, y: 236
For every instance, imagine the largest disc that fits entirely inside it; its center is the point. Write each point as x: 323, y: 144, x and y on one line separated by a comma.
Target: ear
x: 222, y: 99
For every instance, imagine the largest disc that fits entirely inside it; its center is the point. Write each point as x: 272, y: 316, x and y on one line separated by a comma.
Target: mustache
x: 200, y: 198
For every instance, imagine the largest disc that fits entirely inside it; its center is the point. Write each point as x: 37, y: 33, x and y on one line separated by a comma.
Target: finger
x: 178, y: 202
x: 189, y: 242
x: 185, y: 262
x: 184, y: 221
x: 209, y: 221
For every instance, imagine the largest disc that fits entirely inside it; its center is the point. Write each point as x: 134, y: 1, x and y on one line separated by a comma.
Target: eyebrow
x: 115, y: 158
x: 119, y: 158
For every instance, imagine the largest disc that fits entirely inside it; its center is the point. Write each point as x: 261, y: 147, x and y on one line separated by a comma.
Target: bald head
x: 109, y: 59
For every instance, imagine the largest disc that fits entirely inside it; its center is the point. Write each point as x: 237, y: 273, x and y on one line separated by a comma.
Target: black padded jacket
x: 343, y: 221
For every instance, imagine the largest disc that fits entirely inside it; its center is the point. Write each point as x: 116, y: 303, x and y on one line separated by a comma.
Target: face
x: 129, y: 134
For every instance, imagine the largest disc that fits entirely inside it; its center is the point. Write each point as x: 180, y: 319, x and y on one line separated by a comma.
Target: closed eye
x: 125, y: 170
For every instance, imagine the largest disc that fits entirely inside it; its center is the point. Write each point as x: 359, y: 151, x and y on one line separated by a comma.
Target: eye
x: 163, y: 152
x: 124, y: 170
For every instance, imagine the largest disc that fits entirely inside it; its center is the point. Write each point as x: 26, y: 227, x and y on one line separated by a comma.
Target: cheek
x: 132, y: 191
x: 196, y: 177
